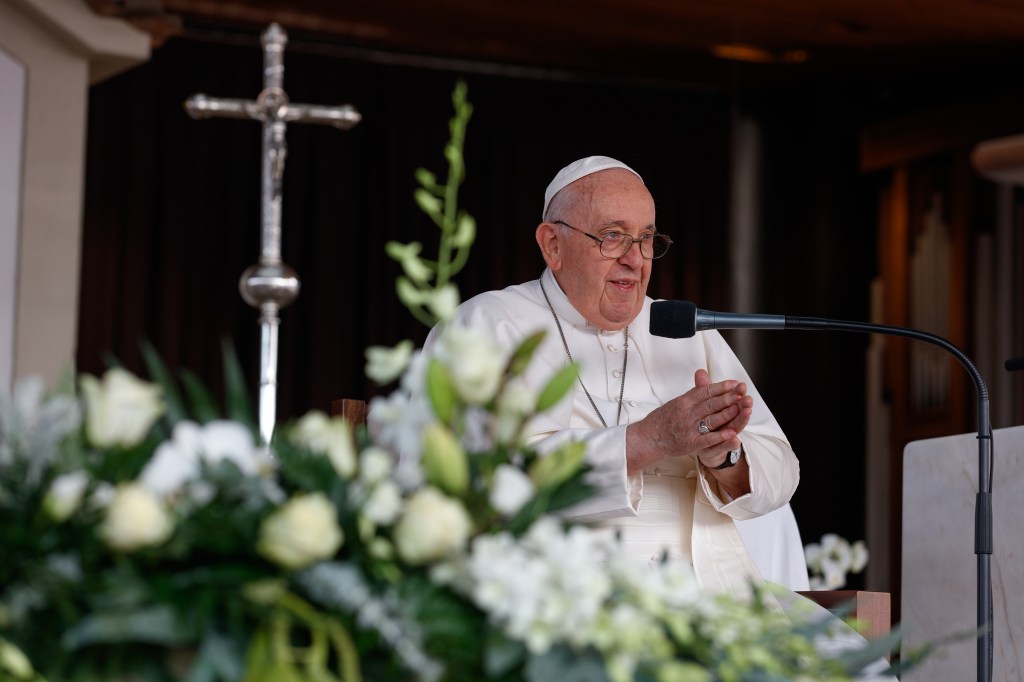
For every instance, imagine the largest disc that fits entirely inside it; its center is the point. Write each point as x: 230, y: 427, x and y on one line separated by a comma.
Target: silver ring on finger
x: 703, y: 428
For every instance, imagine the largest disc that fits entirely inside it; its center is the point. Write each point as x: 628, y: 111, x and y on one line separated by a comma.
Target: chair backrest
x: 351, y: 409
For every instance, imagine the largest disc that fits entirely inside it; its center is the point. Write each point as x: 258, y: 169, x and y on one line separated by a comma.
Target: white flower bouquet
x: 192, y: 553
x: 830, y: 560
x: 148, y: 537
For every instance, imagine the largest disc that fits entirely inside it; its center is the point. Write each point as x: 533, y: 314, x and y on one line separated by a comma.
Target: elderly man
x: 681, y: 445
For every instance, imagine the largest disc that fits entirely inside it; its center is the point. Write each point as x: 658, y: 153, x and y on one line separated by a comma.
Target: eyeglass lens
x: 615, y: 245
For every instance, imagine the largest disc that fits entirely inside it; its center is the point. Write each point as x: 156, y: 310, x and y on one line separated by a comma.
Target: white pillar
x: 60, y: 48
x: 12, y: 128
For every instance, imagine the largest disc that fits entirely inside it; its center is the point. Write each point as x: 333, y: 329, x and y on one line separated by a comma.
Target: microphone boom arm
x: 983, y: 501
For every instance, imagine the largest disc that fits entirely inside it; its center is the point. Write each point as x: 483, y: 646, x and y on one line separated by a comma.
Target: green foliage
x: 557, y: 387
x: 441, y: 392
x: 423, y: 286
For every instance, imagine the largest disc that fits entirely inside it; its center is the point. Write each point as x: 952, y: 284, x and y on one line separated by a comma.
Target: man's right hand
x: 674, y: 429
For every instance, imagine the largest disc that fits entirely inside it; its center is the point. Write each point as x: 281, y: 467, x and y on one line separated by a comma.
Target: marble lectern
x: 939, y: 568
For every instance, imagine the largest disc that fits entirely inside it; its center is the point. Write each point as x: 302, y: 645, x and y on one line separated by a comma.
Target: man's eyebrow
x: 622, y: 223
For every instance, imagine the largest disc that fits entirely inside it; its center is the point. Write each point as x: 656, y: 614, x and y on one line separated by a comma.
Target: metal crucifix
x: 271, y: 284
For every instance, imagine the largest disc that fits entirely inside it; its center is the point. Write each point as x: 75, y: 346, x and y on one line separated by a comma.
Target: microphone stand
x: 983, y: 500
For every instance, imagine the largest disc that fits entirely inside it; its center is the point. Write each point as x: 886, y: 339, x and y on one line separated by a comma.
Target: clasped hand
x: 674, y: 429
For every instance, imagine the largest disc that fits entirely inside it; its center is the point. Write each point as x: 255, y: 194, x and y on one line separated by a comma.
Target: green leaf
x: 569, y: 493
x: 857, y: 660
x: 345, y: 648
x: 440, y: 391
x: 556, y: 468
x: 219, y: 658
x: 154, y: 625
x: 257, y: 657
x: 427, y: 202
x: 523, y: 353
x: 236, y: 394
x: 502, y: 655
x: 444, y: 461
x: 558, y: 387
x: 159, y: 373
x: 204, y: 407
x: 566, y: 665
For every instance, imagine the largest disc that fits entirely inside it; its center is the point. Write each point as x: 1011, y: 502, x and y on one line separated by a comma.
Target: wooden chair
x: 872, y: 608
x: 354, y: 411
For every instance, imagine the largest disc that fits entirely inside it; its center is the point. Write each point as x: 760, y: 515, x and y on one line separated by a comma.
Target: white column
x: 63, y: 48
x: 12, y: 121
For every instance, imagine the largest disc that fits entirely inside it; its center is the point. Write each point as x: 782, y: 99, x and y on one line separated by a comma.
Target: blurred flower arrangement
x: 832, y: 558
x: 148, y: 536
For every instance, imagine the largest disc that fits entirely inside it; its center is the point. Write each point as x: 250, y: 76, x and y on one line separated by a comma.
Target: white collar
x: 563, y: 308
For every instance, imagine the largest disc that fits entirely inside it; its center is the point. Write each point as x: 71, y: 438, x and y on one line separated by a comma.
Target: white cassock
x: 673, y: 506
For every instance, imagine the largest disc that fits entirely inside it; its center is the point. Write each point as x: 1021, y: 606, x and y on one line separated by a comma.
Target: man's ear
x: 550, y: 245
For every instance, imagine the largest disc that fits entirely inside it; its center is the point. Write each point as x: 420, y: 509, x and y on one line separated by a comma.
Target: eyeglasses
x: 617, y: 244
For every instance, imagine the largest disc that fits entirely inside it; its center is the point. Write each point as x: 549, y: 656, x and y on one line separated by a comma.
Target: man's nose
x: 632, y: 255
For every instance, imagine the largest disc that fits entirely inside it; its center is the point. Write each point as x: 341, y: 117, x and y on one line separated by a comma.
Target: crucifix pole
x: 270, y: 284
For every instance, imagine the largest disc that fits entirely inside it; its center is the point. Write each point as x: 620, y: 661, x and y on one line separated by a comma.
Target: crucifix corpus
x: 270, y: 284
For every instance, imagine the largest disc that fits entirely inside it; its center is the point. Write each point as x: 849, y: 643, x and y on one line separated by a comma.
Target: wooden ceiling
x: 704, y: 43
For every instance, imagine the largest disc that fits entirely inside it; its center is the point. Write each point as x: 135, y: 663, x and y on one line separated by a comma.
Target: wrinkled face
x: 609, y: 292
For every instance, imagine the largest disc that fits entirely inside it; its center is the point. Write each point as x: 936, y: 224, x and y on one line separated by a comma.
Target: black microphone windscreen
x: 673, y: 319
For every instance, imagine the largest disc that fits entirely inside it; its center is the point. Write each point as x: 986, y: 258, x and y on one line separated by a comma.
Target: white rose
x: 65, y: 495
x: 135, y: 518
x: 305, y: 530
x: 474, y: 362
x: 510, y: 490
x: 384, y: 504
x: 384, y: 365
x: 120, y: 410
x: 332, y: 436
x: 375, y: 464
x: 432, y: 527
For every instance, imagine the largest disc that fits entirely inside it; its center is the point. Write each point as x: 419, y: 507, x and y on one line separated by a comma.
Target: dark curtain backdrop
x: 173, y: 207
x: 172, y: 219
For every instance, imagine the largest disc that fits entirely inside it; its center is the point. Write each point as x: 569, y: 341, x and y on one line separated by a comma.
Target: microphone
x: 682, y: 319
x: 1012, y: 365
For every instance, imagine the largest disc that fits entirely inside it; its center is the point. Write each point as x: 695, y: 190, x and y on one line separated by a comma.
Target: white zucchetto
x: 579, y: 169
